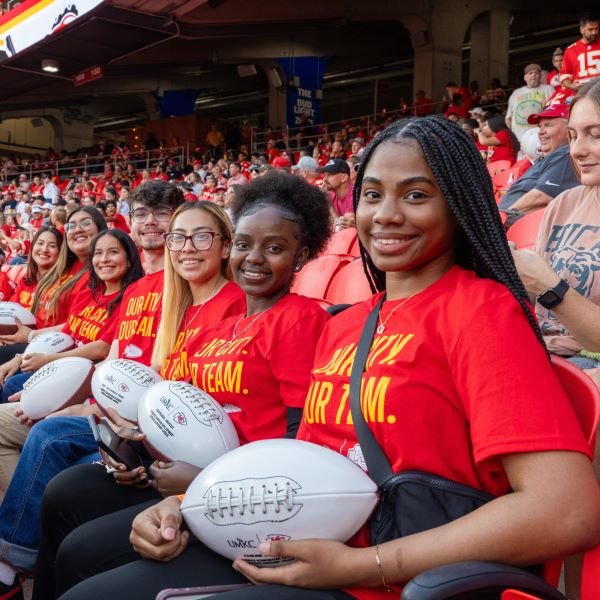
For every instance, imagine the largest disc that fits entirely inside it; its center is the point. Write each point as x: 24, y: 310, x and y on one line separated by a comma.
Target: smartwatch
x: 553, y: 296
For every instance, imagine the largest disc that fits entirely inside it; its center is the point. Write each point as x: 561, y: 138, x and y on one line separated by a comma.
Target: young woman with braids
x: 466, y: 389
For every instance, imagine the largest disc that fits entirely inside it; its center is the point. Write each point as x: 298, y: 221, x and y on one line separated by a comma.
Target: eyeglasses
x: 84, y: 224
x: 161, y: 214
x: 202, y: 240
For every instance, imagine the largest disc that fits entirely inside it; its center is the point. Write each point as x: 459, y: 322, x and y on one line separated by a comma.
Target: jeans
x: 14, y: 384
x: 52, y: 445
x: 583, y: 362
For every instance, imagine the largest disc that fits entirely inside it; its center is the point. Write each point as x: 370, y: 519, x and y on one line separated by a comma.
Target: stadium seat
x: 17, y: 272
x: 349, y: 285
x: 498, y: 166
x: 314, y: 279
x: 525, y: 231
x: 342, y: 242
x: 472, y: 577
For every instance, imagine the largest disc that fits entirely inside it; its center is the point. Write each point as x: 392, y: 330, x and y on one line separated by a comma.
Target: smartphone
x: 196, y: 593
x: 116, y: 447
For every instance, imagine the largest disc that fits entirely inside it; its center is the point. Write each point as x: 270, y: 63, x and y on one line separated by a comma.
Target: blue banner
x: 301, y: 99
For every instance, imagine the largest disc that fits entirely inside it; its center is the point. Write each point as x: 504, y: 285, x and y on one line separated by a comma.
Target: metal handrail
x: 95, y: 163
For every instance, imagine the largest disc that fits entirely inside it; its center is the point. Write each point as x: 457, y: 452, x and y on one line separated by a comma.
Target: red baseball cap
x: 554, y: 111
x: 281, y: 162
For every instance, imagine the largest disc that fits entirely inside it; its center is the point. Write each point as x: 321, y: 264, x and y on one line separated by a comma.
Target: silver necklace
x: 382, y: 324
x: 234, y: 335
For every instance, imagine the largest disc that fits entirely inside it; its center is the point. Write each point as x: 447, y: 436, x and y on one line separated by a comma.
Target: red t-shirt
x: 24, y: 294
x: 265, y: 369
x: 119, y: 222
x: 228, y: 302
x: 7, y: 287
x: 65, y: 300
x: 456, y: 380
x: 139, y: 317
x: 581, y: 62
x: 21, y: 250
x: 504, y: 151
x: 89, y: 320
x: 344, y: 205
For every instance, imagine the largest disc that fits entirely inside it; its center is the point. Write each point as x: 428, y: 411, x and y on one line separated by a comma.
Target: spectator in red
x: 452, y: 90
x: 282, y: 162
x: 113, y: 218
x: 553, y: 77
x: 580, y: 60
x: 423, y: 106
x: 37, y: 219
x: 271, y: 151
x: 308, y: 168
x: 501, y: 141
x: 336, y: 174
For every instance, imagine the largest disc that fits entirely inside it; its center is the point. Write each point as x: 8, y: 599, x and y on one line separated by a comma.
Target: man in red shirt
x: 423, y: 106
x: 581, y: 60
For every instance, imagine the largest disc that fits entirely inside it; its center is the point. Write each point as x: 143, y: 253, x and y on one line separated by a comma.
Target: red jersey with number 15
x: 581, y: 62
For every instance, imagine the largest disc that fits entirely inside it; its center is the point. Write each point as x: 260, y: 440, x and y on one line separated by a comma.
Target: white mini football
x: 121, y: 383
x: 184, y: 423
x: 8, y: 312
x: 51, y: 343
x: 58, y: 384
x: 277, y: 490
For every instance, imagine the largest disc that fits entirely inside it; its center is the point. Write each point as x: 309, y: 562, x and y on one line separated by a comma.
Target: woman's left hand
x: 318, y: 564
x: 171, y: 478
x: 35, y: 361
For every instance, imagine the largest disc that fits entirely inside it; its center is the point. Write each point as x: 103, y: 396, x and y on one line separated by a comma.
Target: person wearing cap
x: 336, y: 175
x: 37, y: 218
x: 308, y: 168
x: 357, y: 147
x: 549, y: 176
x: 50, y: 189
x: 527, y: 100
x: 282, y: 162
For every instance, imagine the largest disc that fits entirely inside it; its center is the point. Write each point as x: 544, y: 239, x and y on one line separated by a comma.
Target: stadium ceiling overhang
x: 78, y: 34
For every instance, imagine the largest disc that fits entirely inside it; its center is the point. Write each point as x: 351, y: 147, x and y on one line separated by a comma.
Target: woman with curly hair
x: 281, y: 222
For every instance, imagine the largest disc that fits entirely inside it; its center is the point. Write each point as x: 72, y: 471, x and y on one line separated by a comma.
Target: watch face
x: 549, y: 299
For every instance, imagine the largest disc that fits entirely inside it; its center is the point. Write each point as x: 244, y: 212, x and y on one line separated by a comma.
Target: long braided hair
x: 464, y: 180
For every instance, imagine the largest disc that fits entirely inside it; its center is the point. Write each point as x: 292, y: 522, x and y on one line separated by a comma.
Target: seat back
x: 342, y: 242
x: 314, y: 279
x: 349, y: 285
x: 497, y: 166
x: 525, y: 231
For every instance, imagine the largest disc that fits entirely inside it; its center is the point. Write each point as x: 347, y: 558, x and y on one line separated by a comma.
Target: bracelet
x: 378, y: 561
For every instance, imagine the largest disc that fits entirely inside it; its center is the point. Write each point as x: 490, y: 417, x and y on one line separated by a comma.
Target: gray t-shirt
x: 552, y: 175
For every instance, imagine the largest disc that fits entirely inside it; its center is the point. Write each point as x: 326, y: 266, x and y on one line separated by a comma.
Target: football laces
x: 239, y: 499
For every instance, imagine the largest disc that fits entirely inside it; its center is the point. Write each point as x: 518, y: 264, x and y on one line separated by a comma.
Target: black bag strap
x: 378, y: 465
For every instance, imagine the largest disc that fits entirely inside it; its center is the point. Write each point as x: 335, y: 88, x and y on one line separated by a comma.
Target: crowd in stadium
x: 163, y: 264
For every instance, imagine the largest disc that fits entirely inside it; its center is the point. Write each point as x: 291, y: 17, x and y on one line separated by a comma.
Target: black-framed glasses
x: 162, y: 214
x: 84, y: 224
x: 203, y: 240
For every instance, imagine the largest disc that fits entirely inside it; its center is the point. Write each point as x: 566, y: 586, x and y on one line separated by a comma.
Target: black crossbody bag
x: 410, y: 501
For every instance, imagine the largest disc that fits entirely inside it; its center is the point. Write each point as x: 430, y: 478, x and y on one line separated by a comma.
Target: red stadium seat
x: 525, y: 231
x: 314, y: 279
x: 350, y: 285
x: 498, y: 166
x: 342, y: 242
x: 17, y: 272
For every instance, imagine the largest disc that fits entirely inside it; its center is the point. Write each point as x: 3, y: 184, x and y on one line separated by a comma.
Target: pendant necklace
x: 235, y: 335
x: 382, y: 324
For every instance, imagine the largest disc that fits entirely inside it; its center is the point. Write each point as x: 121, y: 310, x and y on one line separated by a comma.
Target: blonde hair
x: 177, y: 295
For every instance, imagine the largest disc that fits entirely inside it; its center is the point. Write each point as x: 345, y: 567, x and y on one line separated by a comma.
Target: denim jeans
x: 52, y: 445
x: 14, y: 384
x: 583, y: 362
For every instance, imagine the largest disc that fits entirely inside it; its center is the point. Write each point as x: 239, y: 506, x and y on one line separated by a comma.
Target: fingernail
x: 264, y: 547
x: 169, y: 533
